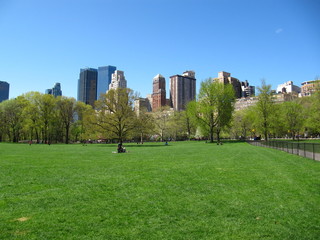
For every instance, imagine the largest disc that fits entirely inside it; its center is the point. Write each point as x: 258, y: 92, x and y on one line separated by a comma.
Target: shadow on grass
x: 145, y: 145
x: 226, y: 142
x: 131, y: 145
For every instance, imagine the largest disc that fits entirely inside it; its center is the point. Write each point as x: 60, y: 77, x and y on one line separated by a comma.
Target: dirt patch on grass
x: 21, y: 233
x: 22, y: 219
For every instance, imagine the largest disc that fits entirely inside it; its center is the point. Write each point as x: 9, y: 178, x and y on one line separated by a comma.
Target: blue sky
x: 44, y: 42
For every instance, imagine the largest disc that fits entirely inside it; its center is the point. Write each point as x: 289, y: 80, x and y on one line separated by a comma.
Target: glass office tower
x: 87, y: 86
x: 56, y: 90
x: 104, y: 79
x: 4, y: 91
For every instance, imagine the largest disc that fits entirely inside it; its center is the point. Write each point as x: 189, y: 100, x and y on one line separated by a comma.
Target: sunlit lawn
x: 187, y: 190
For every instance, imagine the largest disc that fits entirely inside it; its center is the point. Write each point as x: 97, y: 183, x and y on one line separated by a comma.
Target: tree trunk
x: 37, y: 136
x: 67, y: 134
x: 211, y: 135
x: 218, y: 136
x: 265, y: 131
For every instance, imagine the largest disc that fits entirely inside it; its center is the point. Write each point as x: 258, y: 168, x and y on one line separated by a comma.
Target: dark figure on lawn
x: 121, y: 149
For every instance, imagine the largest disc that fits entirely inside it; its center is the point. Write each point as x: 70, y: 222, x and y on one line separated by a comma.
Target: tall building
x: 149, y: 97
x: 118, y: 80
x: 55, y: 91
x: 182, y: 90
x: 288, y: 87
x: 309, y: 87
x: 225, y: 78
x: 142, y: 104
x: 87, y: 86
x: 104, y: 79
x: 48, y: 91
x: 247, y: 90
x: 159, y: 92
x: 4, y: 91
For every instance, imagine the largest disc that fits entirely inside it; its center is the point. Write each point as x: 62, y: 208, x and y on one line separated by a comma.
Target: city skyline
x: 273, y: 40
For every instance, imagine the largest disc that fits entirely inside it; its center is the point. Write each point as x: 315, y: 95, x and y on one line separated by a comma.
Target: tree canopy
x: 115, y: 113
x: 213, y: 110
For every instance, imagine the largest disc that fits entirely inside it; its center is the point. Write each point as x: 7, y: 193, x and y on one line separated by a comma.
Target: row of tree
x: 293, y: 118
x: 43, y: 118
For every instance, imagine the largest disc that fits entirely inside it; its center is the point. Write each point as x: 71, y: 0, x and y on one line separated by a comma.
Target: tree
x: 12, y: 116
x: 46, y: 104
x: 82, y: 127
x: 32, y: 115
x: 66, y: 110
x: 225, y: 107
x: 292, y: 117
x: 2, y: 123
x: 180, y: 125
x: 264, y: 108
x: 242, y: 123
x: 175, y: 126
x: 313, y: 123
x: 115, y: 113
x: 144, y: 124
x: 214, y: 107
x: 161, y: 120
x: 190, y: 124
x: 277, y: 126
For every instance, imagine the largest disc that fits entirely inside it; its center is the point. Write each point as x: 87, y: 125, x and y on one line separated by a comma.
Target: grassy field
x: 187, y: 190
x: 302, y: 140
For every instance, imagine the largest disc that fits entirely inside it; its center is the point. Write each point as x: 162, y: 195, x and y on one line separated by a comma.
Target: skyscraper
x: 55, y: 91
x: 142, y: 104
x: 247, y: 90
x: 118, y: 80
x: 104, y: 79
x: 48, y: 91
x: 159, y: 92
x: 87, y: 86
x: 182, y: 90
x: 225, y: 78
x: 4, y: 91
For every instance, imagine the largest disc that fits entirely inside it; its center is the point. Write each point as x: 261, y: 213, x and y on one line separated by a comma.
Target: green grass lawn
x: 187, y: 190
x: 302, y: 140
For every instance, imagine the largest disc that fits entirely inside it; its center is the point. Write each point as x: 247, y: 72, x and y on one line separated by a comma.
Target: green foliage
x: 162, y: 118
x: 181, y: 126
x: 313, y: 121
x: 144, y: 125
x: 82, y: 128
x: 213, y: 110
x: 115, y: 114
x: 66, y: 111
x: 187, y: 190
x: 43, y: 118
x: 12, y: 118
x: 242, y: 123
x: 292, y: 117
x: 264, y: 108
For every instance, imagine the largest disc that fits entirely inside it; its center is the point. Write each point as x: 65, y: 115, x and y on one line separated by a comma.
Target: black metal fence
x: 308, y: 150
